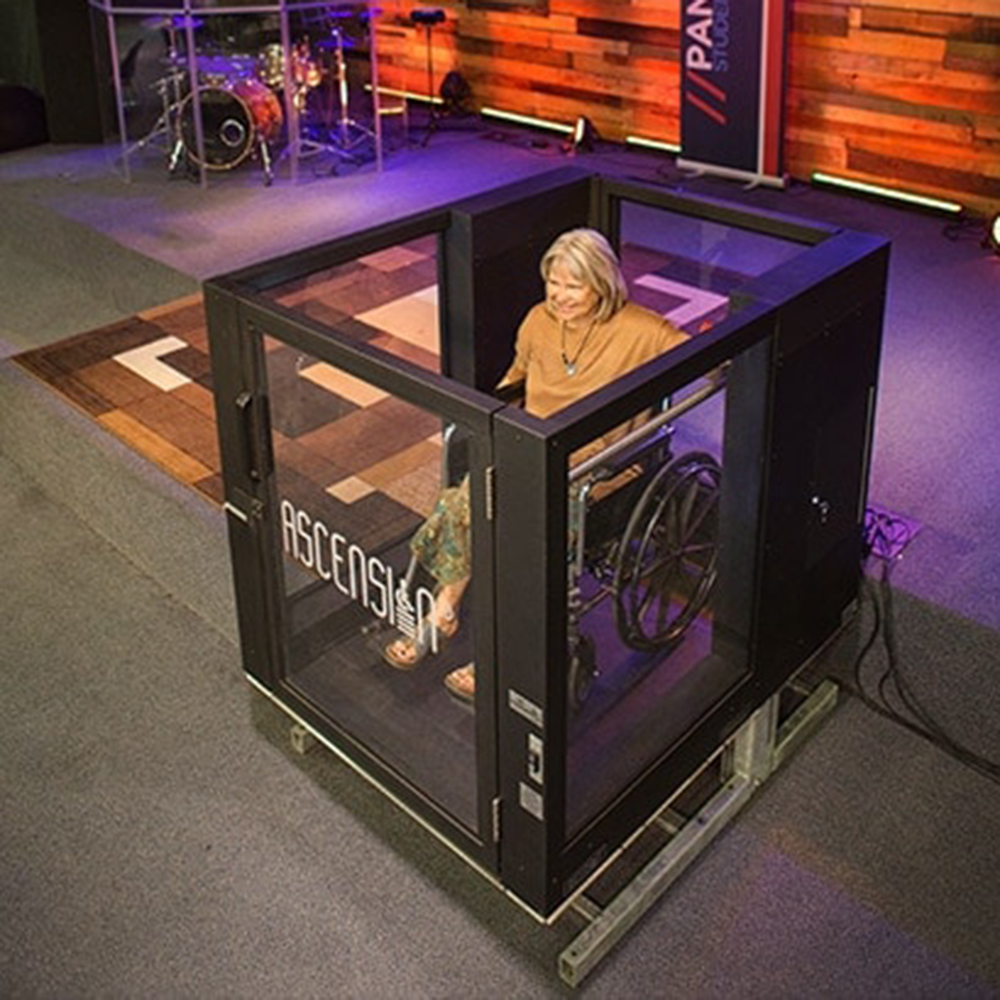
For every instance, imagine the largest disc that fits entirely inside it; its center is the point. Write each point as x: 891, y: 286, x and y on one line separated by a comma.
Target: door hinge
x: 491, y: 486
x: 496, y: 819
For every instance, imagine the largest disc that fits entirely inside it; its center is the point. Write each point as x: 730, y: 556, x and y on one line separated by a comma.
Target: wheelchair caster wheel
x: 582, y: 671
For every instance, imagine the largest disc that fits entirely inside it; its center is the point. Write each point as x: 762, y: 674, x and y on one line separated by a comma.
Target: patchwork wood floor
x: 147, y: 380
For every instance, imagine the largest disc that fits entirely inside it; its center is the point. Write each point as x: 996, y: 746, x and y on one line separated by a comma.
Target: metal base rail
x: 757, y: 749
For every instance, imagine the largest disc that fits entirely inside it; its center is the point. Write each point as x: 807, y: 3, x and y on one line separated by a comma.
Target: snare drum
x: 232, y: 116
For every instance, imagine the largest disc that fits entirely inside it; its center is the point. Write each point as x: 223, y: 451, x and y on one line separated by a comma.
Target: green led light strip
x: 914, y: 199
x: 528, y: 120
x: 667, y: 147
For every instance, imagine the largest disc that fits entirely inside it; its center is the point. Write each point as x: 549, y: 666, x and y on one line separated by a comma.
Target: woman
x: 584, y: 335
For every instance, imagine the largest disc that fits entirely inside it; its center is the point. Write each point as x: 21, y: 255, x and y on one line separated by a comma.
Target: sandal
x: 461, y: 683
x: 405, y: 653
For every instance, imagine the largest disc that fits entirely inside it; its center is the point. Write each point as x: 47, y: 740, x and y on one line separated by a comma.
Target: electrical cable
x: 880, y: 527
x: 916, y: 708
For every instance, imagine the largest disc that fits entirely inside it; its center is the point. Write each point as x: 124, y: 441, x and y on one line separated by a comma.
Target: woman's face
x: 569, y: 299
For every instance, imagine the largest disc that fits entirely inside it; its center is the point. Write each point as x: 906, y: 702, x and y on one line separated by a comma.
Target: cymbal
x: 178, y: 22
x: 360, y: 11
x: 237, y: 65
x: 343, y: 10
x: 335, y: 43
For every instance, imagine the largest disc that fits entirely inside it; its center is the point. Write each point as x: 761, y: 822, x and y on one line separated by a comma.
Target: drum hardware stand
x: 338, y: 141
x: 305, y: 147
x: 428, y: 17
x: 171, y: 99
x: 265, y: 160
x: 341, y: 136
x: 176, y: 155
x: 167, y: 125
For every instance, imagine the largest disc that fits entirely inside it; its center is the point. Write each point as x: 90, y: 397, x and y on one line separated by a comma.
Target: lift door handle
x: 254, y: 430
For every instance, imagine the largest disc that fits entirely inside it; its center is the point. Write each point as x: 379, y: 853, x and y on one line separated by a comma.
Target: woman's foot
x: 461, y: 683
x: 406, y: 653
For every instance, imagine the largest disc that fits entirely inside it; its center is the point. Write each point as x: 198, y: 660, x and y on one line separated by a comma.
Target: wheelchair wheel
x: 667, y: 558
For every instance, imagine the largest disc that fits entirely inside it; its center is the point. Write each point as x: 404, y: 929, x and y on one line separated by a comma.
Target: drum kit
x: 242, y: 104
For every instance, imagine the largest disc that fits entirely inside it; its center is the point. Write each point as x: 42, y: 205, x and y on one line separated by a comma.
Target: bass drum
x: 232, y: 117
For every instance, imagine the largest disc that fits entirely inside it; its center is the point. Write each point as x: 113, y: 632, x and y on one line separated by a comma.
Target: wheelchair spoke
x: 666, y: 559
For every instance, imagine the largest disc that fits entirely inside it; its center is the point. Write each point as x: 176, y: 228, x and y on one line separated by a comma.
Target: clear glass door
x: 358, y: 472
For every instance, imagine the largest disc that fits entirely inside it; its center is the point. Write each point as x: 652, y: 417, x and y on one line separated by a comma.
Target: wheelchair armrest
x: 655, y: 448
x: 510, y: 393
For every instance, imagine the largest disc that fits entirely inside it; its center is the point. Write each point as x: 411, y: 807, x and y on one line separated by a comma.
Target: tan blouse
x: 633, y: 336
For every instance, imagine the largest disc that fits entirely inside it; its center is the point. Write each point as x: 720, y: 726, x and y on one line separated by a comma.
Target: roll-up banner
x: 732, y: 88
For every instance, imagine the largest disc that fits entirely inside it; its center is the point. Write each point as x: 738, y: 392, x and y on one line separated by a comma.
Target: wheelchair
x: 658, y: 573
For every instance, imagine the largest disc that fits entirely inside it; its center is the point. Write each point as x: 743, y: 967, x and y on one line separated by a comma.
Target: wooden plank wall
x: 904, y: 93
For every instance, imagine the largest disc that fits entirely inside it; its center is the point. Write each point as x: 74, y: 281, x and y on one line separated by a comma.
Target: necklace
x: 570, y: 363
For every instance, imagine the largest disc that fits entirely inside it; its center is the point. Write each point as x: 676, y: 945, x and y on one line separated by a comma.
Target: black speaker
x: 69, y: 71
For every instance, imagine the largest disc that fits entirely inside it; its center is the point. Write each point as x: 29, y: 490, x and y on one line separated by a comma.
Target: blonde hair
x: 589, y: 258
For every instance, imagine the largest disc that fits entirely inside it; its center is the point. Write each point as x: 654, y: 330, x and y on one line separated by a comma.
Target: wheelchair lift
x: 725, y: 534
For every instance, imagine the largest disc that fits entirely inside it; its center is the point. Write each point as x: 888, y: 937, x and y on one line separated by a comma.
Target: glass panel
x: 650, y: 650
x: 686, y: 268
x: 388, y: 299
x: 240, y: 108
x: 358, y: 471
x: 252, y: 91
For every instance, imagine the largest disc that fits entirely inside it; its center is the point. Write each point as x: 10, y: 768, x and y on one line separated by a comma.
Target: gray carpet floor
x: 160, y: 838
